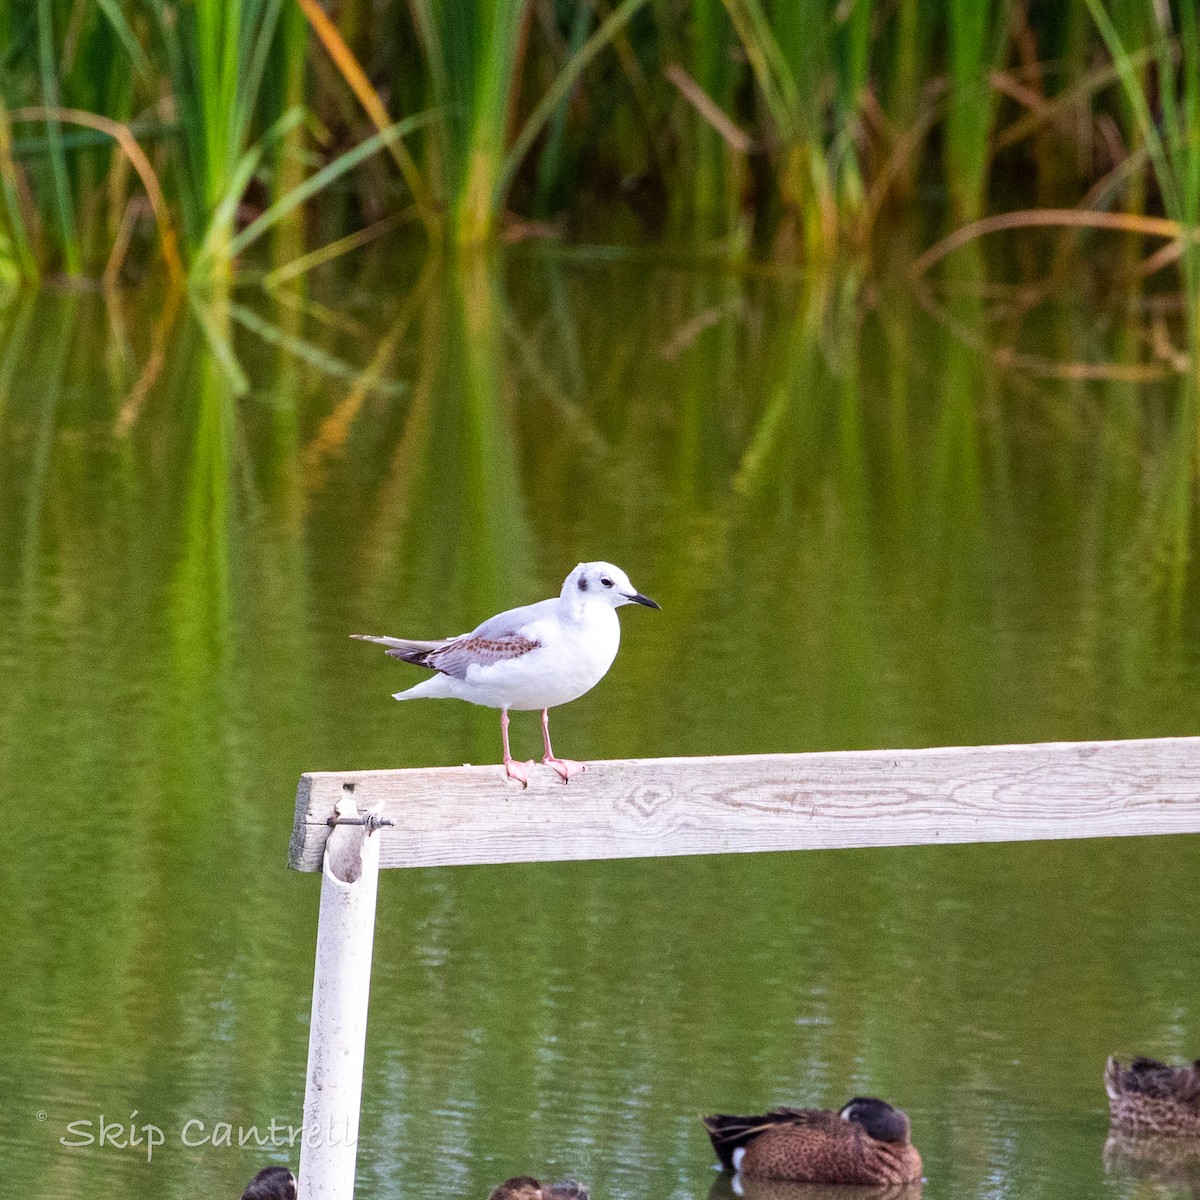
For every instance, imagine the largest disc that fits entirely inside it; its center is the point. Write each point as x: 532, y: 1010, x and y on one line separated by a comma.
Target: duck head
x: 878, y: 1118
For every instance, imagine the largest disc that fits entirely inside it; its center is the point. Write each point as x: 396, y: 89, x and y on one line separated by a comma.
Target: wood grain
x: 631, y: 808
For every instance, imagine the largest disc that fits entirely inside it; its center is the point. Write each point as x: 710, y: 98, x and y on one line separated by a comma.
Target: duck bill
x: 638, y: 598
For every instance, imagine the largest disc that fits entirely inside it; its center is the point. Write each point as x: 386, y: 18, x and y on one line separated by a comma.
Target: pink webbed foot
x: 518, y: 770
x: 566, y: 767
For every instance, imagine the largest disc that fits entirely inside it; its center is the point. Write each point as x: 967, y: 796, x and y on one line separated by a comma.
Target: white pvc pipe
x: 338, y: 1030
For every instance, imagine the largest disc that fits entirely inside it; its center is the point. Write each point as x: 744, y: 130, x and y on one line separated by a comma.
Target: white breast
x: 572, y: 657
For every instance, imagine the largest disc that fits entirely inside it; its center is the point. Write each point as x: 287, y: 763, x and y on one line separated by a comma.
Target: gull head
x: 602, y: 583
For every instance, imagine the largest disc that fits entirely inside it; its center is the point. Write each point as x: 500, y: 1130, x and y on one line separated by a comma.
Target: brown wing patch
x: 457, y: 656
x: 819, y: 1152
x: 492, y: 649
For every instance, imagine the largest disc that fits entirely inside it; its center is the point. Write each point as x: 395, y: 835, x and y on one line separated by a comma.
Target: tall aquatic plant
x: 474, y: 54
x: 976, y: 43
x: 784, y: 44
x: 717, y: 154
x: 1172, y: 146
x: 471, y: 49
x: 18, y: 259
x: 810, y: 67
x: 792, y: 116
x: 230, y: 118
x: 217, y: 52
x: 63, y: 189
x: 1170, y: 139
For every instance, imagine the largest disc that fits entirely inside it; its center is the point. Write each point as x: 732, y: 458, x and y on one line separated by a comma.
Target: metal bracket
x: 372, y: 821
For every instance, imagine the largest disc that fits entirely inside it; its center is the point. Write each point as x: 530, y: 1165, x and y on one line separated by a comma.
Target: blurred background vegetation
x: 137, y: 134
x: 894, y: 481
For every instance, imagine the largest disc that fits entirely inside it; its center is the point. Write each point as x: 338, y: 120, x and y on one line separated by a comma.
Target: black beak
x: 638, y: 598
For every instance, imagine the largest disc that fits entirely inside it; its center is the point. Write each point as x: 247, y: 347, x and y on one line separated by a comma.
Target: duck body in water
x: 865, y: 1142
x: 271, y: 1183
x: 525, y: 1187
x: 1149, y: 1097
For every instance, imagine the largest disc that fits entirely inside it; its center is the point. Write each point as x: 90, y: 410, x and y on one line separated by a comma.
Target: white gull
x: 537, y: 656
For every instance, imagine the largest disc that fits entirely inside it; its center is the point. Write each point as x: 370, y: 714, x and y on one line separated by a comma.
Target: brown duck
x: 867, y: 1142
x: 271, y: 1183
x: 525, y: 1187
x: 1150, y: 1097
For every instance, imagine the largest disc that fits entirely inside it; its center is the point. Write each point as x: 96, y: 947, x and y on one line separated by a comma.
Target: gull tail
x: 403, y: 648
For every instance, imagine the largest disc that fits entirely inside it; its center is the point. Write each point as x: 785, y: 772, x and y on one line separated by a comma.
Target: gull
x: 537, y: 656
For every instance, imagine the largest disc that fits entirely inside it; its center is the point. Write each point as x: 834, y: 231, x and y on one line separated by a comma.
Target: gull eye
x: 606, y: 581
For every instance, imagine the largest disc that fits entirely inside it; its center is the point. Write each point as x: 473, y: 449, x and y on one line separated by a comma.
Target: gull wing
x: 456, y: 657
x: 501, y: 638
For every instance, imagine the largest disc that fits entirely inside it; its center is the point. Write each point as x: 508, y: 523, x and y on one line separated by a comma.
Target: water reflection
x: 1170, y: 1161
x: 862, y: 534
x: 738, y: 1187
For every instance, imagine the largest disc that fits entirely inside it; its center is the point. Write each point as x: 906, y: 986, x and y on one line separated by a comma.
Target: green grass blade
x: 1189, y: 41
x: 58, y: 160
x: 558, y: 91
x: 969, y: 116
x: 776, y: 82
x: 323, y: 254
x: 223, y: 215
x: 549, y: 162
x: 324, y: 177
x: 116, y: 18
x: 250, y: 82
x: 18, y: 232
x: 1137, y: 100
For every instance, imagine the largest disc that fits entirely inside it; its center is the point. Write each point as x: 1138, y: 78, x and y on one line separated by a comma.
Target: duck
x: 271, y: 1183
x: 1151, y: 1097
x: 525, y: 1187
x: 864, y: 1142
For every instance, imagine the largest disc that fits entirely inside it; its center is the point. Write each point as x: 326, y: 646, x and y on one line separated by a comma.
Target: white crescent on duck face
x: 534, y: 657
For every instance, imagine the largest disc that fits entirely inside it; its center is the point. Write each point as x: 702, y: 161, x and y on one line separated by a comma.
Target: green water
x: 863, y: 532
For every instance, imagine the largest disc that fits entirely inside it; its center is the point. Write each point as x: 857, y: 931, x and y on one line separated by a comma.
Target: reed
x: 1169, y: 135
x: 975, y: 43
x: 470, y: 50
x: 217, y: 54
x: 789, y: 126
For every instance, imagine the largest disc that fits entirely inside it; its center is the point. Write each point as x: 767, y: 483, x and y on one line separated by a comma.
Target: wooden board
x: 631, y: 808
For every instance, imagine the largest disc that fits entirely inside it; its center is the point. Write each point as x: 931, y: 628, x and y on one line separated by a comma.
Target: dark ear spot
x: 583, y: 583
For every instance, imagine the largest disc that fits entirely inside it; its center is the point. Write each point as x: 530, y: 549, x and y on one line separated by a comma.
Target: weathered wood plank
x: 630, y: 808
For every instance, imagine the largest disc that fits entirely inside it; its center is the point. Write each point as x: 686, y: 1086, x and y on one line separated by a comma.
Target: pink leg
x: 516, y: 770
x: 566, y: 767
